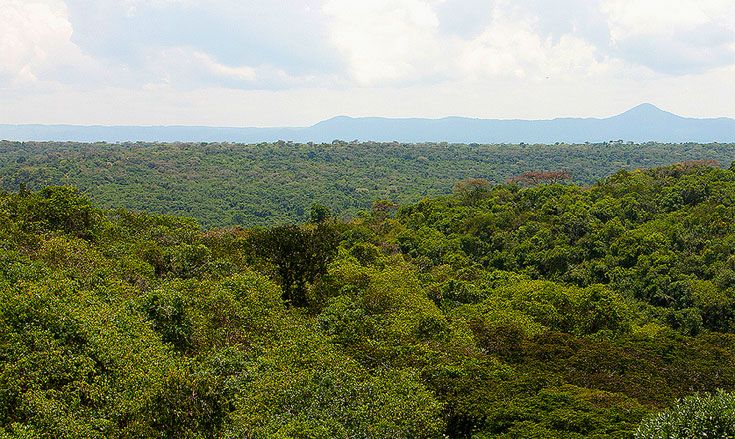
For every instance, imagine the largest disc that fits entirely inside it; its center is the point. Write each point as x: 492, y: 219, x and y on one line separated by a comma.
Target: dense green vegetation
x: 501, y: 311
x: 693, y: 417
x: 267, y: 184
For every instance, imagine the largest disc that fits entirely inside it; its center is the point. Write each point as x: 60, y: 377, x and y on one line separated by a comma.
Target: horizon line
x: 645, y: 105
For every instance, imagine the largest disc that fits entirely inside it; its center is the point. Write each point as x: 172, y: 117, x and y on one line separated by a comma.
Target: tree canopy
x: 223, y: 184
x: 499, y: 311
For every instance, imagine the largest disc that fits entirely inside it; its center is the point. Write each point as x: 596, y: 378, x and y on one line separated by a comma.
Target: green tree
x: 319, y: 213
x: 299, y: 254
x: 696, y: 416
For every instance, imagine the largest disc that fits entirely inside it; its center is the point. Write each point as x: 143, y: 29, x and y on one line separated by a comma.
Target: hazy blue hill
x: 646, y: 122
x: 641, y: 124
x: 98, y: 133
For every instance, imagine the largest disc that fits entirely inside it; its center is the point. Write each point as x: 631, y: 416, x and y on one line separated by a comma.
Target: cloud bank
x: 258, y: 62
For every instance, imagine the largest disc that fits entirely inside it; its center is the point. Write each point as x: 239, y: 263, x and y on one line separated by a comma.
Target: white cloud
x: 673, y: 36
x: 34, y: 35
x: 181, y: 64
x: 288, y: 34
x: 512, y: 46
x: 386, y: 40
x: 241, y: 73
x: 629, y: 17
x: 132, y: 6
x: 188, y: 68
x: 260, y: 62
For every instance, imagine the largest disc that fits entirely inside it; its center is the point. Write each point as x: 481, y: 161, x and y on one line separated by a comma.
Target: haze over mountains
x: 643, y: 123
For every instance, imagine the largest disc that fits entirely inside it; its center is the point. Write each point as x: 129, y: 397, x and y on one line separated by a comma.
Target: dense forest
x: 222, y: 184
x: 510, y: 310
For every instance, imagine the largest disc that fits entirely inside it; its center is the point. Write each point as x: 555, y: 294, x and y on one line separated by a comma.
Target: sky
x: 296, y: 62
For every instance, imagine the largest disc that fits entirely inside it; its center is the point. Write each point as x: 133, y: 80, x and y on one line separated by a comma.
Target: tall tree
x: 299, y: 256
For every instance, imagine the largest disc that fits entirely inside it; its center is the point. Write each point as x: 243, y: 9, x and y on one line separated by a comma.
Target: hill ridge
x: 642, y: 123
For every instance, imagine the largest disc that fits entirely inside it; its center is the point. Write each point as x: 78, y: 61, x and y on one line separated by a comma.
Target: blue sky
x: 295, y: 62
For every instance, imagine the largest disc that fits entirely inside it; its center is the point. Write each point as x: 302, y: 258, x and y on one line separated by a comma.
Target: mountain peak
x: 643, y: 123
x: 646, y: 106
x: 646, y: 110
x: 336, y: 120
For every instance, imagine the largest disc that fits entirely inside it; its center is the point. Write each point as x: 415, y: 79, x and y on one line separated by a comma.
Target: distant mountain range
x: 640, y: 124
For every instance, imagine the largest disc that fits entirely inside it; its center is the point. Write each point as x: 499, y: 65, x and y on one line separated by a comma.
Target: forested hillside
x: 267, y: 184
x: 501, y: 311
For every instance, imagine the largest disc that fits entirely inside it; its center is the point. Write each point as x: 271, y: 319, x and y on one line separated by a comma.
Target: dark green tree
x: 319, y: 213
x: 299, y: 255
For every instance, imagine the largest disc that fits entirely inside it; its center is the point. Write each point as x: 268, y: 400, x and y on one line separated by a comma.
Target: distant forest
x: 223, y: 184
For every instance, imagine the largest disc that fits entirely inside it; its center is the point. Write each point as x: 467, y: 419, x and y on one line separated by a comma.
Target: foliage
x: 694, y: 416
x: 223, y: 184
x: 299, y: 256
x: 531, y: 178
x: 501, y: 311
